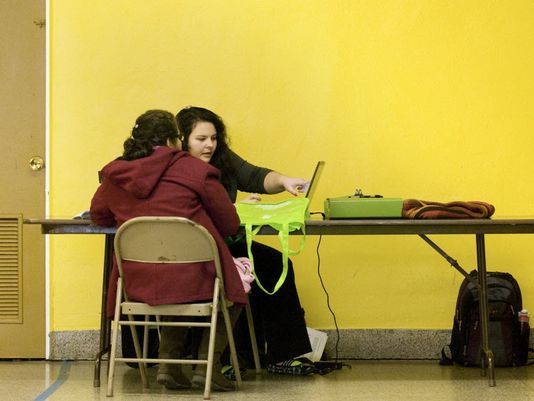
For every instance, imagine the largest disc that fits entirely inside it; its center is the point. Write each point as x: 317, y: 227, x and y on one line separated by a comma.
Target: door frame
x: 47, y: 178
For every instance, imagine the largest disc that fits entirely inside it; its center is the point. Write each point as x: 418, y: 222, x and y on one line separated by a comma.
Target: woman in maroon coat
x: 154, y: 178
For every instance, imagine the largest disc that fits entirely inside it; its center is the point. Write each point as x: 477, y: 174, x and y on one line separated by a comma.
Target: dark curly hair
x: 188, y: 118
x: 152, y: 128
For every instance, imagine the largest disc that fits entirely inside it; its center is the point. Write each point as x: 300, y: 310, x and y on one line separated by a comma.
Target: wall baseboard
x: 387, y: 344
x: 353, y: 344
x: 75, y: 345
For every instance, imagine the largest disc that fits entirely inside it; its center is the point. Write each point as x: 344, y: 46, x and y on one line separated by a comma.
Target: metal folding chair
x: 175, y: 240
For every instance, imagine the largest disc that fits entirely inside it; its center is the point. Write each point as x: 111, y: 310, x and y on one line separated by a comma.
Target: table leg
x: 105, y: 323
x: 487, y: 359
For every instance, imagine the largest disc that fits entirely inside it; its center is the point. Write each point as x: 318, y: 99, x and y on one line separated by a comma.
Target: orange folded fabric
x: 420, y: 209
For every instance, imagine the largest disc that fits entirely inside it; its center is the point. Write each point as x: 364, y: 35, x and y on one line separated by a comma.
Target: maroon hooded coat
x: 168, y: 183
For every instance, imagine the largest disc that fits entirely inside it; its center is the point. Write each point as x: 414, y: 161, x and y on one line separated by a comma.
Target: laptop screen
x: 315, y: 180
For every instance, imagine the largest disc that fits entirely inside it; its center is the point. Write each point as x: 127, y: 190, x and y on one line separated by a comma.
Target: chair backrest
x: 176, y: 240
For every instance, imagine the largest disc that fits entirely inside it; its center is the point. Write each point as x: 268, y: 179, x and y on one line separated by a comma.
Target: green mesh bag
x: 284, y: 216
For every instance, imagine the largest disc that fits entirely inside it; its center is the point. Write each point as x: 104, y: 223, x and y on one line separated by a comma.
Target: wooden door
x: 22, y: 193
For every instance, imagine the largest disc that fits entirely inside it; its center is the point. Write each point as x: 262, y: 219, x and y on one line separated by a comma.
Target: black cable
x: 327, y: 295
x: 324, y: 367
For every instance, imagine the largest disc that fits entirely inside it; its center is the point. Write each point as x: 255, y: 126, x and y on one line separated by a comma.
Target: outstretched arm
x: 275, y: 182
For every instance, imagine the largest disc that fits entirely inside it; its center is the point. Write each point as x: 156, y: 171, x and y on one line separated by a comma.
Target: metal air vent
x: 10, y: 269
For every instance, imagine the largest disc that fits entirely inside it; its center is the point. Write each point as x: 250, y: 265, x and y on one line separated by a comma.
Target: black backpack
x: 508, y: 338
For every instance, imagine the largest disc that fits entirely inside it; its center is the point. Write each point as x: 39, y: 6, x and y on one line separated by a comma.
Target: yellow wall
x: 425, y: 99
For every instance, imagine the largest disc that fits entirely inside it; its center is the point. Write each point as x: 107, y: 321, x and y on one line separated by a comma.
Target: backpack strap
x: 530, y: 360
x: 250, y: 232
x: 283, y: 237
x: 445, y: 360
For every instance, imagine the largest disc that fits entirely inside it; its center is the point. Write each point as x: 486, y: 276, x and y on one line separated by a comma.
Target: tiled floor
x: 361, y: 380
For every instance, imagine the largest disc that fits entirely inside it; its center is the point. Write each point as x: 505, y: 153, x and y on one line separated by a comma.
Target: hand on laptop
x: 295, y: 185
x: 305, y: 187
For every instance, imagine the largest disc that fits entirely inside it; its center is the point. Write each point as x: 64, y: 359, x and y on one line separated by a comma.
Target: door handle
x: 36, y: 163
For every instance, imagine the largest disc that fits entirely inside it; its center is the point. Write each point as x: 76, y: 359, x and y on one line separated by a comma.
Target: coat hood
x: 139, y: 177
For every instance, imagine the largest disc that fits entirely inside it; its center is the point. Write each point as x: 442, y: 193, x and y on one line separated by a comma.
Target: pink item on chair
x: 245, y: 272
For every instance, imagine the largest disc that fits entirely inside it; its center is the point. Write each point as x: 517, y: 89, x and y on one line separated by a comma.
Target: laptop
x: 314, y: 182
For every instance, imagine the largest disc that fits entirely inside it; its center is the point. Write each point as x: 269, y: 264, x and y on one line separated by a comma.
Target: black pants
x: 278, y: 318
